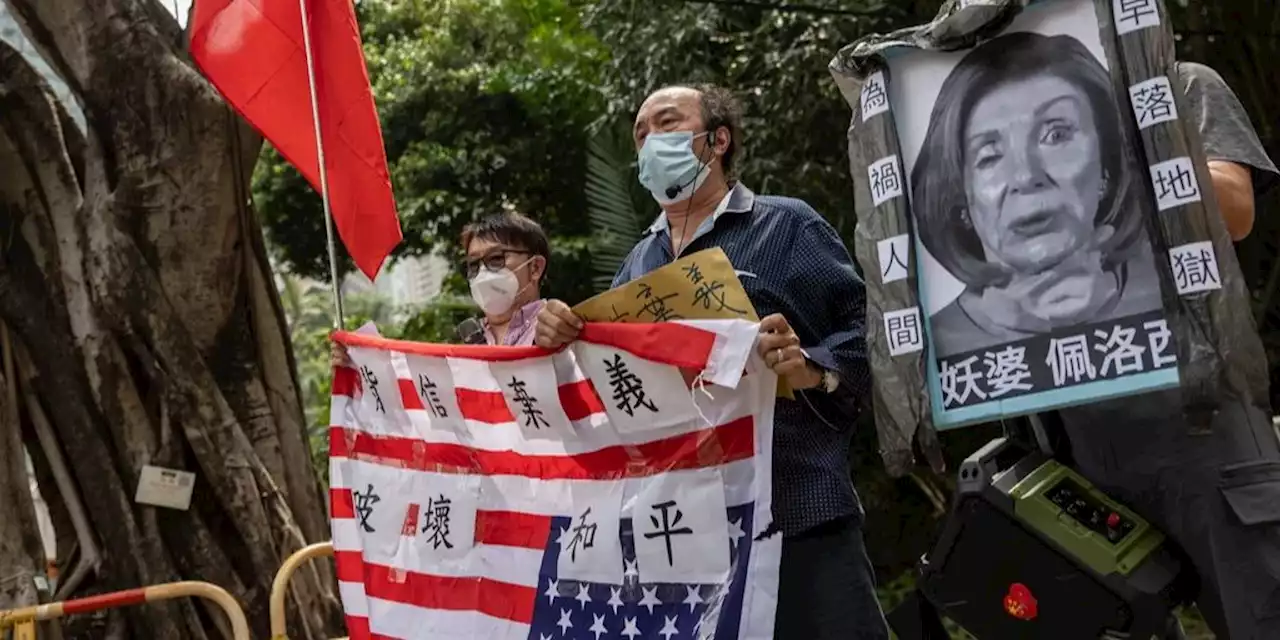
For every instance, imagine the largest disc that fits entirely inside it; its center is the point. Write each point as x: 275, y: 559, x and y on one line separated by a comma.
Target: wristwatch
x: 830, y: 379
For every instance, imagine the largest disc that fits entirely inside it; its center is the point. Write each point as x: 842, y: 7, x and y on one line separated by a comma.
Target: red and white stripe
x: 391, y: 592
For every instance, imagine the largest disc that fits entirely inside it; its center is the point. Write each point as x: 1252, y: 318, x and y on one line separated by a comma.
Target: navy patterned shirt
x: 791, y: 261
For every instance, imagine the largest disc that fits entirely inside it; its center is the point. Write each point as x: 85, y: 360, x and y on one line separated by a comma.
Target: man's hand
x: 557, y: 325
x: 780, y: 348
x: 1233, y: 184
x: 338, y: 355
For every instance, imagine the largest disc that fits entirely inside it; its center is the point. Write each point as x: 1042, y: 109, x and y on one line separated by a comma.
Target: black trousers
x: 826, y: 587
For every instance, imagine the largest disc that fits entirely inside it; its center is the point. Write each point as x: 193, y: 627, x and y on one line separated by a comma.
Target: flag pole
x: 338, y: 320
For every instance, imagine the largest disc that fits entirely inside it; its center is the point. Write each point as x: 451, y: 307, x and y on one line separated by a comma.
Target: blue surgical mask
x: 669, y: 168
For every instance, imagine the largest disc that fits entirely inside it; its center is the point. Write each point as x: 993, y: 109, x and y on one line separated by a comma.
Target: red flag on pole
x: 253, y: 52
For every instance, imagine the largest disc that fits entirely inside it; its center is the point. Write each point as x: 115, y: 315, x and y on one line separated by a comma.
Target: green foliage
x: 484, y: 106
x: 436, y: 321
x: 777, y: 64
x: 618, y: 207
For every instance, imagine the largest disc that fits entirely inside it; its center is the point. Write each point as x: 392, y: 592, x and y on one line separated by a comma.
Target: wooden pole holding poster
x: 1063, y: 243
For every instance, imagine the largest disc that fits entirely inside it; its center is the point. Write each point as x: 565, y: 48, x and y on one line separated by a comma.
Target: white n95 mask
x: 495, y: 291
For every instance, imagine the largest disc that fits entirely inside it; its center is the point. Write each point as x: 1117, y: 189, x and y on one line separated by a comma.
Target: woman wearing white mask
x: 506, y: 262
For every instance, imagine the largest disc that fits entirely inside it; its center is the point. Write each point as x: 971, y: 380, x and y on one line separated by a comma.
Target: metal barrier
x: 23, y: 630
x: 22, y: 618
x: 280, y: 586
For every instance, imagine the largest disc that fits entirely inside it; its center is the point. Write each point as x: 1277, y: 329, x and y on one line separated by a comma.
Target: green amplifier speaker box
x: 1032, y: 550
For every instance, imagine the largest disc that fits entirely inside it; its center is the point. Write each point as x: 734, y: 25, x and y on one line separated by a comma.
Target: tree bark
x: 21, y: 553
x: 133, y: 272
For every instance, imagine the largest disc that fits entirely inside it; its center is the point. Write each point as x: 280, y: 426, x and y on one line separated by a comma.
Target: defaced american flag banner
x: 619, y: 488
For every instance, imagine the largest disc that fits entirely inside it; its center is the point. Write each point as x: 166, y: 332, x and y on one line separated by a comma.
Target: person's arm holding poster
x: 1238, y: 163
x: 829, y: 365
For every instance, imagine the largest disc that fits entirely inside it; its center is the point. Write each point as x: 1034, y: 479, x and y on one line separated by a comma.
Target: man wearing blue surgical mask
x: 689, y: 140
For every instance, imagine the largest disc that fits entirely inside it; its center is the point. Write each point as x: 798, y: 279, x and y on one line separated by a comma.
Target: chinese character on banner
x: 654, y: 308
x: 364, y: 502
x: 1152, y: 102
x: 1175, y: 183
x: 1158, y: 338
x: 638, y: 394
x: 710, y: 294
x: 668, y: 528
x: 532, y: 396
x: 429, y: 392
x: 875, y: 100
x: 1195, y: 268
x: 590, y: 543
x: 436, y: 517
x: 371, y: 386
x: 530, y: 414
x: 586, y: 532
x: 1007, y: 371
x: 1122, y: 357
x: 431, y: 380
x: 379, y: 389
x: 1069, y: 360
x: 885, y: 180
x: 679, y: 529
x: 1132, y: 15
x: 959, y: 381
x: 628, y: 390
x: 902, y: 329
x: 893, y: 258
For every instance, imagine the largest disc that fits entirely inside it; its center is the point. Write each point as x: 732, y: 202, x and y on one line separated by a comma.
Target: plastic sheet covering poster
x: 512, y: 492
x: 1056, y: 220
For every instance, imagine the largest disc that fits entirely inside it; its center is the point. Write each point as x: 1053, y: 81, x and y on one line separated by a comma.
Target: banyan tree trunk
x: 136, y: 286
x: 21, y: 552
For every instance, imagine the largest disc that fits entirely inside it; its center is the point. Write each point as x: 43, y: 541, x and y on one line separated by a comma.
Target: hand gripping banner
x: 619, y: 488
x: 1037, y: 219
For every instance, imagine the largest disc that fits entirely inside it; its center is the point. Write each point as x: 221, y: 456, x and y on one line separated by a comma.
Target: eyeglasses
x: 496, y: 261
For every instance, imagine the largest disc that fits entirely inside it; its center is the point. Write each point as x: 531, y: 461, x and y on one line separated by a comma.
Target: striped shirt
x: 521, y: 330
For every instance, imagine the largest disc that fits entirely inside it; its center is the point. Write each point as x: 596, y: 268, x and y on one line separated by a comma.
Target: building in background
x: 413, y: 282
x: 406, y: 283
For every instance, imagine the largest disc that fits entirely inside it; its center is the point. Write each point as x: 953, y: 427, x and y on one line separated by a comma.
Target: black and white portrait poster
x: 1038, y: 280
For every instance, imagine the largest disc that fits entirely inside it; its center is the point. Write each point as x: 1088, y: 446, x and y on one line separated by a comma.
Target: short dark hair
x: 721, y: 109
x: 509, y: 228
x: 939, y: 197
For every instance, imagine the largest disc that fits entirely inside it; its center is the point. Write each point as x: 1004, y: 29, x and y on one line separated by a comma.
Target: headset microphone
x: 673, y: 190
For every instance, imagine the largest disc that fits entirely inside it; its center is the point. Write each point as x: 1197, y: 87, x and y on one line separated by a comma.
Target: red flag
x: 252, y: 51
